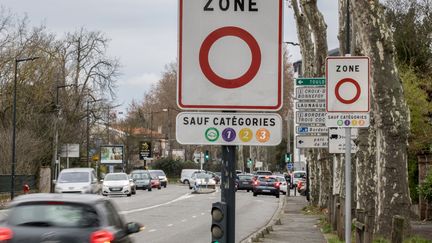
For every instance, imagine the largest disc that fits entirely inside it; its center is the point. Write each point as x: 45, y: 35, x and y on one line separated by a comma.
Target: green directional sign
x: 310, y: 81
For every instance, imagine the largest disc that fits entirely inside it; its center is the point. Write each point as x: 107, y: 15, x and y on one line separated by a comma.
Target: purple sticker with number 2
x: 228, y: 134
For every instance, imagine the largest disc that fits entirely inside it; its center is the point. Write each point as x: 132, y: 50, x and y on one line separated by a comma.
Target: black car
x: 266, y: 185
x: 66, y: 218
x: 244, y: 182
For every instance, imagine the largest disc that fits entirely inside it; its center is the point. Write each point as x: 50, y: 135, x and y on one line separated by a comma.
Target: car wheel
x: 133, y: 192
x: 248, y: 190
x: 159, y: 187
x: 130, y: 194
x: 277, y: 195
x: 149, y: 189
x: 165, y: 186
x: 254, y: 194
x: 284, y: 193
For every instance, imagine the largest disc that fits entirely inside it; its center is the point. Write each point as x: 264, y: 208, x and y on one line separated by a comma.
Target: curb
x: 266, y: 229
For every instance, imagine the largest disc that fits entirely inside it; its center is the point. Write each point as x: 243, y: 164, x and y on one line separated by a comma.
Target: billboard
x: 145, y: 150
x: 111, y: 154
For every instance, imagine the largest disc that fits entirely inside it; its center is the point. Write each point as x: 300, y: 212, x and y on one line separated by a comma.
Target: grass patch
x: 417, y: 239
x: 311, y: 210
x: 380, y: 240
x: 333, y: 239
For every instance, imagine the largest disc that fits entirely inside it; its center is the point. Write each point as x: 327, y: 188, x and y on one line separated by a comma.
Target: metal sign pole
x: 228, y: 188
x: 348, y: 185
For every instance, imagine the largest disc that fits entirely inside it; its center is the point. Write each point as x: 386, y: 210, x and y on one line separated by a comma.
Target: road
x: 173, y: 214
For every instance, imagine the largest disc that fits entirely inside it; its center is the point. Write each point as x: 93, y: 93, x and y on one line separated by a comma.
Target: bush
x: 172, y: 168
x: 425, y: 188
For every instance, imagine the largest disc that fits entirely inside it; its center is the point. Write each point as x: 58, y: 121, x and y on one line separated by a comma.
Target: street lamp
x: 88, y: 129
x: 55, y: 152
x: 17, y: 61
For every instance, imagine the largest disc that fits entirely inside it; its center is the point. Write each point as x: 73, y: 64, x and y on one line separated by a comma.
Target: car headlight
x: 126, y: 188
x: 58, y: 189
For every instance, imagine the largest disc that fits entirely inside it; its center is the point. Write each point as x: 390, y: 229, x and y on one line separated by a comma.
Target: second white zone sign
x: 230, y: 54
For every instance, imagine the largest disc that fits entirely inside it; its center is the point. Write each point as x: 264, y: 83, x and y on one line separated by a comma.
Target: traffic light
x: 288, y: 158
x: 219, y: 222
x: 249, y: 162
x: 206, y: 156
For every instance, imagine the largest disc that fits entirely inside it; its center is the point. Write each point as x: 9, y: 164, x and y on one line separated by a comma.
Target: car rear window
x: 245, y: 177
x: 54, y: 214
x: 73, y: 177
x: 267, y: 179
x: 158, y: 173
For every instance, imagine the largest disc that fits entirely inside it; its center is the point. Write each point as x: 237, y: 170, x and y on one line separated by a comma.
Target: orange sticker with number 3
x: 263, y: 135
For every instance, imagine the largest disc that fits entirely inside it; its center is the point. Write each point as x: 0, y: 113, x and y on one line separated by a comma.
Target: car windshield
x: 245, y: 177
x: 299, y: 175
x: 267, y: 179
x: 140, y: 176
x: 73, y: 177
x: 264, y: 173
x: 116, y: 177
x: 202, y: 175
x: 54, y: 214
x: 157, y: 173
x: 282, y: 179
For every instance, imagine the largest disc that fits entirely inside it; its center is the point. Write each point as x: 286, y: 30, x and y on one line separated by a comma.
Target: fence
x: 20, y: 180
x: 362, y: 222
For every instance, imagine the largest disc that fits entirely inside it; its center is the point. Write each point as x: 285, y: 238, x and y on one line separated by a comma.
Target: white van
x: 186, y: 175
x: 77, y: 180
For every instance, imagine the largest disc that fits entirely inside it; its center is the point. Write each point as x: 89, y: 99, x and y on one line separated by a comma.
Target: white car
x: 77, y: 180
x: 202, y: 179
x: 283, y: 186
x: 116, y: 184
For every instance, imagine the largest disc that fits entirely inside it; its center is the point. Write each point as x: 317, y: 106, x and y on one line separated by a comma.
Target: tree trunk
x: 390, y: 114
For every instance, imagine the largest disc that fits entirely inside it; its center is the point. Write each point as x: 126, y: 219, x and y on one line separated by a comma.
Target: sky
x: 143, y: 33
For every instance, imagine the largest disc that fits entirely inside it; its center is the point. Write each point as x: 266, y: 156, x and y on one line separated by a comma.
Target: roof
x: 77, y: 169
x: 89, y: 199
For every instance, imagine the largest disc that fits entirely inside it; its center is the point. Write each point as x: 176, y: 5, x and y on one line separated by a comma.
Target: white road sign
x: 337, y: 140
x: 310, y: 117
x: 309, y: 104
x: 347, y: 120
x: 311, y: 141
x: 230, y: 55
x: 310, y: 93
x: 347, y: 84
x: 213, y: 128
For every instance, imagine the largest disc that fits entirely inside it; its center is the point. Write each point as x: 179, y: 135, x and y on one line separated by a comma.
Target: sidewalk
x: 296, y: 227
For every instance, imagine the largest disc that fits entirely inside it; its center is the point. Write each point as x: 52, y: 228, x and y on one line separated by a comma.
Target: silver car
x: 116, y: 184
x: 77, y: 180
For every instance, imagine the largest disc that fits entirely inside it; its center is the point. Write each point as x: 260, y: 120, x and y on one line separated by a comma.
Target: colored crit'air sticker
x: 263, y: 135
x: 245, y: 134
x: 211, y: 134
x: 228, y: 134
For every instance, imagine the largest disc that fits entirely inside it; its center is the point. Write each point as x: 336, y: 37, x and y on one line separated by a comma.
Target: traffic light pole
x: 228, y: 188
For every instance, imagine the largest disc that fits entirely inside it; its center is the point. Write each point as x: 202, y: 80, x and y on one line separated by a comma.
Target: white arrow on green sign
x: 311, y: 81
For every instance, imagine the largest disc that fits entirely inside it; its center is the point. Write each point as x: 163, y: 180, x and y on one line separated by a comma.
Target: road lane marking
x: 152, y: 230
x: 170, y: 225
x: 184, y: 220
x: 186, y: 196
x: 193, y: 216
x: 202, y: 213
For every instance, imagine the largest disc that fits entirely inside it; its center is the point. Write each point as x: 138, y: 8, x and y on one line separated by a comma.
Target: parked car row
x: 84, y: 181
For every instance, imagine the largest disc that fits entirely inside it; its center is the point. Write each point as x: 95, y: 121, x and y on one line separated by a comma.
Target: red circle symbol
x: 248, y: 75
x: 347, y: 80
